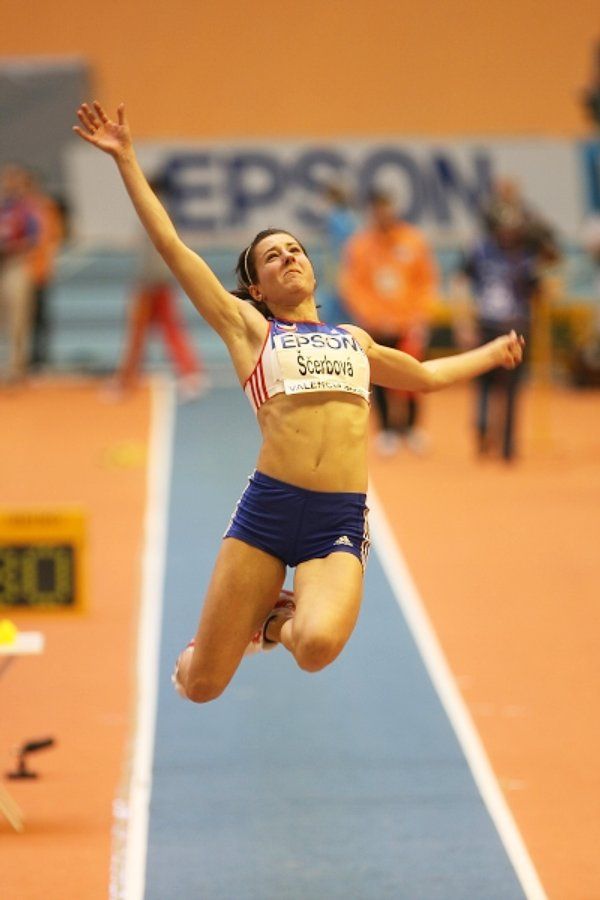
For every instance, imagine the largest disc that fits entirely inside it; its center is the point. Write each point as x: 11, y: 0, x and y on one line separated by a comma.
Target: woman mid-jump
x: 308, y: 383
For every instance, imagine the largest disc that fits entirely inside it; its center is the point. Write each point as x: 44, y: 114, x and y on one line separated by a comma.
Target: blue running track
x: 349, y: 783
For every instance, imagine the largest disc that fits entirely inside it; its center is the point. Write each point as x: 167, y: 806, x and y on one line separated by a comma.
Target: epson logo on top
x: 317, y: 341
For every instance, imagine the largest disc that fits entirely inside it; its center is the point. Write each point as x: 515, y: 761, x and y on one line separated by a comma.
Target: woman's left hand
x: 509, y: 350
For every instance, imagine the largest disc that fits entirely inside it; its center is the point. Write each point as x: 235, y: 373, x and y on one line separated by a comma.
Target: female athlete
x: 308, y: 383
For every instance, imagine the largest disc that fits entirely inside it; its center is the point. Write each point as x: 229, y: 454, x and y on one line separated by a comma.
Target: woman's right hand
x: 113, y: 138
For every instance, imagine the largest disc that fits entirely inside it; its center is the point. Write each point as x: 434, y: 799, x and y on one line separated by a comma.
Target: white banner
x: 224, y: 192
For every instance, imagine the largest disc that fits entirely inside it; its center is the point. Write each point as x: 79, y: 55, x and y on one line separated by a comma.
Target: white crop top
x: 306, y: 357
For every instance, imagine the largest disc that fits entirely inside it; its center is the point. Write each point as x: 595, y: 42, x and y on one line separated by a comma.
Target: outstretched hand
x: 510, y: 350
x: 113, y: 138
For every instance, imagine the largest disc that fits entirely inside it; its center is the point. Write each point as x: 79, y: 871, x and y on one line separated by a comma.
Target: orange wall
x: 221, y: 68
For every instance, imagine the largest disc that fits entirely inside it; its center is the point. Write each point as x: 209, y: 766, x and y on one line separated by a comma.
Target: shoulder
x: 410, y: 234
x: 408, y: 229
x: 360, y: 238
x: 360, y: 335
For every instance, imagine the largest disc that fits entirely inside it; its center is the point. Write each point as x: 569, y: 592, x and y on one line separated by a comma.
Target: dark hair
x: 377, y: 195
x: 336, y: 194
x: 246, y: 273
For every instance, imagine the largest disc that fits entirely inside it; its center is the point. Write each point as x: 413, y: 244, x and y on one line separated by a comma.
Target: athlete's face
x: 283, y: 269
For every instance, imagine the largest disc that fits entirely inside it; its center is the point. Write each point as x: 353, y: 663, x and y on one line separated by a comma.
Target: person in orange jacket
x: 388, y: 281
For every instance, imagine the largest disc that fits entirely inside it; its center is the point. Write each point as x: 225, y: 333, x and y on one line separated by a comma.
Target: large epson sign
x: 215, y: 192
x: 222, y: 193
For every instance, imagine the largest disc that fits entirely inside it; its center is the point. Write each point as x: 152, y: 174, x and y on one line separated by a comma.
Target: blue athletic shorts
x: 296, y: 524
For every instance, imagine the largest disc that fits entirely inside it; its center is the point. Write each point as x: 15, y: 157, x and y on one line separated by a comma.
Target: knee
x: 203, y: 690
x: 314, y: 652
x: 196, y: 682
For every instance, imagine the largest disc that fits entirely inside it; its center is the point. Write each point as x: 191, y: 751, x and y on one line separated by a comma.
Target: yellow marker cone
x: 8, y: 631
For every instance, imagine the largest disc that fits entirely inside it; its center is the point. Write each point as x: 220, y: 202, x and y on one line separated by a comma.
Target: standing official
x: 388, y: 282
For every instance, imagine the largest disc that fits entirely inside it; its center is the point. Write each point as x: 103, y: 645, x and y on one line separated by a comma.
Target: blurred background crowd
x: 74, y: 299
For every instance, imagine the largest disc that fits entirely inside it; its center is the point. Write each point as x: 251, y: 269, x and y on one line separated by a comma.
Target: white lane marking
x: 131, y: 810
x: 413, y: 609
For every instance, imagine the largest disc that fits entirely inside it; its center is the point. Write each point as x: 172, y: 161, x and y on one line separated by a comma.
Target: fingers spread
x: 102, y: 115
x: 92, y: 120
x: 84, y: 134
x: 87, y: 126
x: 87, y: 119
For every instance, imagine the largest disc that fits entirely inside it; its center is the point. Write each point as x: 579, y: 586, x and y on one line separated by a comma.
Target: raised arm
x: 394, y: 369
x: 230, y: 317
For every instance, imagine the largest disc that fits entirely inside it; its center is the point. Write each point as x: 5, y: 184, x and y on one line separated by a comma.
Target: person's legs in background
x: 139, y: 318
x: 483, y: 386
x: 413, y: 341
x: 512, y: 380
x: 191, y: 380
x: 17, y: 291
x: 387, y: 440
x: 40, y: 333
x: 414, y: 438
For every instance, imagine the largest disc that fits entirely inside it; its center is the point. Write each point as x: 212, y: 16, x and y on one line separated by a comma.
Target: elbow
x: 434, y: 381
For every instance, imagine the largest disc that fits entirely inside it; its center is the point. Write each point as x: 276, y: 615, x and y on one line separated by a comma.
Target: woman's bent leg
x: 243, y: 589
x: 327, y: 593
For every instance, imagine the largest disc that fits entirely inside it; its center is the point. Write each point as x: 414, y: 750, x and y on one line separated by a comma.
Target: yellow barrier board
x: 42, y: 560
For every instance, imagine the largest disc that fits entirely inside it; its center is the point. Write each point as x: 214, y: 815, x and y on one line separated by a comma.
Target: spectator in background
x: 154, y: 303
x: 340, y: 224
x: 498, y: 280
x: 585, y: 360
x: 41, y: 260
x: 590, y: 240
x: 388, y: 280
x: 506, y: 204
x: 18, y: 236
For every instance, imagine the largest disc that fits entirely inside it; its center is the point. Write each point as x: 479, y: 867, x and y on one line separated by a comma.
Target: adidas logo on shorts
x: 345, y: 540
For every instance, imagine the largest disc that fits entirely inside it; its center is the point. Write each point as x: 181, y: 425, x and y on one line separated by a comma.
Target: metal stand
x: 30, y: 747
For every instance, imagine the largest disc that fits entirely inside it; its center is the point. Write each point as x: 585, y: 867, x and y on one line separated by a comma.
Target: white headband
x: 246, y: 272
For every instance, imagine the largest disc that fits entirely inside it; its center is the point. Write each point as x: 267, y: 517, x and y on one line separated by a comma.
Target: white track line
x: 413, y: 609
x: 130, y: 832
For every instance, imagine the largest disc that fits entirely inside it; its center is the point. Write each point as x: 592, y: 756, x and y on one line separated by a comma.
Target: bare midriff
x: 317, y: 442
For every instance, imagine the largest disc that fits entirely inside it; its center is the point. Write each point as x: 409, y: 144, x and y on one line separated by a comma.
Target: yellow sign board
x: 42, y: 560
